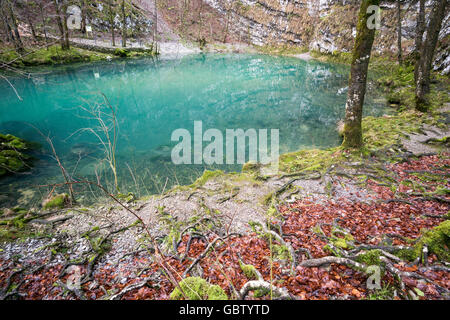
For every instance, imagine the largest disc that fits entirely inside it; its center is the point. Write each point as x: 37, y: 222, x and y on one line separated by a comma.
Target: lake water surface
x: 152, y: 98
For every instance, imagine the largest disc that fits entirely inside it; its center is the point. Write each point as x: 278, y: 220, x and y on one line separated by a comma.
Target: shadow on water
x: 152, y: 98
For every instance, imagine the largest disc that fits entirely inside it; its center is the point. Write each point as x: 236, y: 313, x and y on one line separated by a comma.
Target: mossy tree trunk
x: 420, y: 29
x: 427, y: 53
x: 358, y: 77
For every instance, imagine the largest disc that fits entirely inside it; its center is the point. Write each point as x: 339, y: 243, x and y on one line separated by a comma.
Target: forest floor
x: 325, y: 232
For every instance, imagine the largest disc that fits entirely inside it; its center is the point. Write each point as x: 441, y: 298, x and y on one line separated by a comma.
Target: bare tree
x: 420, y: 29
x: 358, y: 77
x: 111, y: 15
x: 44, y: 24
x: 10, y: 18
x: 83, y: 16
x: 8, y: 31
x: 399, y: 32
x: 124, y: 24
x: 62, y: 26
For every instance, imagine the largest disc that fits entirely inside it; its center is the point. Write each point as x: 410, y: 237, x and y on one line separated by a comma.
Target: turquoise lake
x: 152, y: 98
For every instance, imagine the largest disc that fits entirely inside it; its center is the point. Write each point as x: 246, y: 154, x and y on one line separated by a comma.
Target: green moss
x: 196, y: 288
x: 268, y: 199
x: 334, y: 57
x: 249, y: 271
x: 438, y: 240
x: 121, y: 52
x: 259, y: 293
x: 16, y: 227
x: 13, y: 154
x: 341, y: 243
x: 280, y: 252
x: 371, y: 257
x: 56, y: 202
x: 409, y: 254
x: 385, y: 293
x: 215, y: 292
x: 309, y: 160
x: 55, y: 55
x: 281, y: 49
x: 381, y: 132
x: 207, y: 175
x: 251, y: 167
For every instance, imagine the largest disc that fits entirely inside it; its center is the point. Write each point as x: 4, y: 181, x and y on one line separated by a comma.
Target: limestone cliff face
x: 324, y: 25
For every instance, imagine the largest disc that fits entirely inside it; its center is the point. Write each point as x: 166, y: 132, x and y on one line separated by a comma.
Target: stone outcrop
x: 323, y: 25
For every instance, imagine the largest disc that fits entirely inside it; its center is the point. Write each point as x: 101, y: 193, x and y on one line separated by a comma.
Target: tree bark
x: 17, y: 40
x: 44, y: 28
x: 124, y: 25
x: 66, y: 29
x: 33, y: 31
x: 111, y: 17
x: 358, y: 77
x: 399, y: 32
x: 427, y: 53
x: 83, y: 16
x: 60, y: 24
x: 420, y: 29
x: 8, y: 31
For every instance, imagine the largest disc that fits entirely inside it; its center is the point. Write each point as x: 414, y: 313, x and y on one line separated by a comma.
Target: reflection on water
x: 303, y: 99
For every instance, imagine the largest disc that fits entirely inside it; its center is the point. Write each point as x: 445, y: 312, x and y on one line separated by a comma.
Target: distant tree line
x: 49, y: 18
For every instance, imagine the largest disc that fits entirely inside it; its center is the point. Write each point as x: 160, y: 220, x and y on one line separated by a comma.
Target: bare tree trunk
x: 8, y: 31
x: 427, y: 53
x: 358, y: 77
x: 200, y: 21
x: 33, y: 31
x: 225, y: 31
x: 66, y: 29
x: 83, y: 16
x: 111, y: 17
x: 155, y: 30
x: 124, y: 25
x: 44, y: 27
x: 399, y: 32
x: 12, y: 18
x: 60, y: 24
x: 420, y: 29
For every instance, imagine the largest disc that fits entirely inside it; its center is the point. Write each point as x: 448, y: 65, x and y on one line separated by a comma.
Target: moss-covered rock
x: 14, y: 155
x: 58, y: 201
x: 123, y: 53
x: 196, y: 288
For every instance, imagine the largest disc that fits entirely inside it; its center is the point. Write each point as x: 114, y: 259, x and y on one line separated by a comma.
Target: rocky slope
x: 323, y: 25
